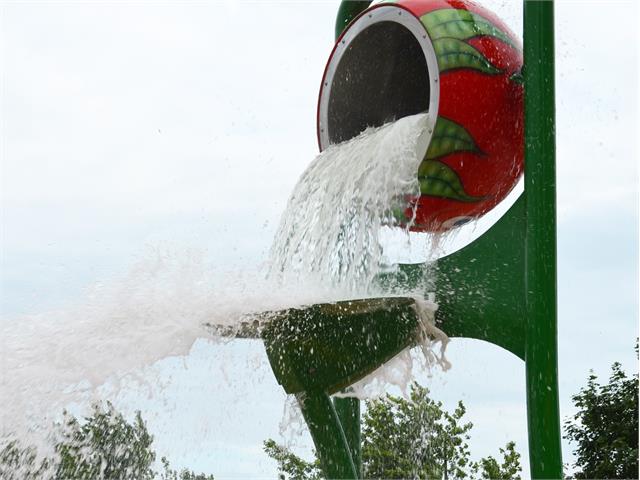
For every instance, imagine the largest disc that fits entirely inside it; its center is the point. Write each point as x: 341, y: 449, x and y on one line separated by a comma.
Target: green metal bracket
x: 480, y: 288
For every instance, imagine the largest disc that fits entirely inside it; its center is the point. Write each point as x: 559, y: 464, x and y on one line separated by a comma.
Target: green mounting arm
x: 480, y: 288
x: 348, y: 10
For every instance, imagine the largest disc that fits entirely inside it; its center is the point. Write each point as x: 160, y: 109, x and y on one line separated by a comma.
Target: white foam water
x: 330, y: 230
x: 157, y: 310
x: 328, y: 248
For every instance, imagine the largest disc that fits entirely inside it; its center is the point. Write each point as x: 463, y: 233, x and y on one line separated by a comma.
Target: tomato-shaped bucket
x: 461, y: 65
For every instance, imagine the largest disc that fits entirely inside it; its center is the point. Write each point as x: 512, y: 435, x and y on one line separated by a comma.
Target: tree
x: 105, y: 446
x: 414, y: 438
x: 489, y: 468
x: 605, y: 428
x: 102, y: 446
x: 410, y: 438
x: 184, y: 474
x: 18, y: 463
x: 295, y: 467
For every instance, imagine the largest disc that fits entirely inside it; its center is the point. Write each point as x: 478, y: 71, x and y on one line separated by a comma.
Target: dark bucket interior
x: 381, y: 77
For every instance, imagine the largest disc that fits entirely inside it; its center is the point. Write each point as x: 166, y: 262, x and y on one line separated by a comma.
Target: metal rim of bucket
x: 374, y: 15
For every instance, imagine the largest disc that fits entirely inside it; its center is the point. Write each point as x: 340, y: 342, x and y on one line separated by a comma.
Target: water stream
x: 330, y: 230
x: 330, y: 246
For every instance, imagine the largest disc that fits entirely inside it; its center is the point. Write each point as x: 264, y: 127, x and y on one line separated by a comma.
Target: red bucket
x: 461, y: 65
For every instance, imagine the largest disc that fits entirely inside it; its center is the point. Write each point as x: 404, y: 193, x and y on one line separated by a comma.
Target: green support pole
x: 327, y: 434
x: 540, y: 257
x: 348, y: 410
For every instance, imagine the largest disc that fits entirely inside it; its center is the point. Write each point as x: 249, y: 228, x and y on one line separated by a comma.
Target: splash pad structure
x: 400, y: 59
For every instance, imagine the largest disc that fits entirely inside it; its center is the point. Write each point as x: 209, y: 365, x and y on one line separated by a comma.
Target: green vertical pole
x: 348, y: 410
x: 327, y: 434
x: 540, y: 261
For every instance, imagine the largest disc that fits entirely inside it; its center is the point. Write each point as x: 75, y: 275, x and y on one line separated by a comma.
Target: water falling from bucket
x: 330, y: 230
x: 328, y: 248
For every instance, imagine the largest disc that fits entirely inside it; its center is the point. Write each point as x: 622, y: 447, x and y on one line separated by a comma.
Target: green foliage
x: 169, y: 474
x: 102, y: 446
x: 295, y: 467
x: 509, y: 469
x: 410, y: 438
x: 605, y: 428
x: 18, y: 463
x: 414, y: 438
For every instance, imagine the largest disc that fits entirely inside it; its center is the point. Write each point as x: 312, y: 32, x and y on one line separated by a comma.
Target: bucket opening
x: 381, y: 76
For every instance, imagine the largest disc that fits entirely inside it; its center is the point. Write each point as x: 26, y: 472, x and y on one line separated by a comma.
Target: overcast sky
x: 130, y: 127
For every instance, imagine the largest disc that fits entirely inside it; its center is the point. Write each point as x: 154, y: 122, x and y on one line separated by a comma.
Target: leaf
x: 399, y: 215
x: 461, y: 25
x: 450, y: 137
x: 453, y: 53
x: 439, y: 180
x: 517, y: 77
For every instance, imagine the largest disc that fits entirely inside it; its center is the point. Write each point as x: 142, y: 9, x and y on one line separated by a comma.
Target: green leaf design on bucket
x: 452, y: 54
x: 440, y: 180
x: 398, y: 214
x: 450, y: 137
x: 461, y: 24
x: 450, y: 28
